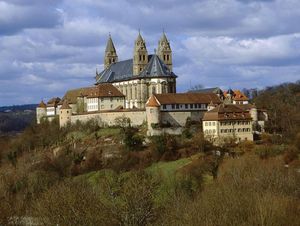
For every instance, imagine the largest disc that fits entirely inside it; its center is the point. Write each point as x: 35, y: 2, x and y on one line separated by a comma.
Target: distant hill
x: 16, y: 118
x: 16, y: 108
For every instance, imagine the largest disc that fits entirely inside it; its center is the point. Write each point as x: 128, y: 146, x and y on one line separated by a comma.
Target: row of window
x: 235, y: 130
x: 210, y: 123
x: 213, y: 131
x: 235, y: 123
x: 186, y: 106
x: 210, y: 131
x: 95, y: 100
x: 95, y: 107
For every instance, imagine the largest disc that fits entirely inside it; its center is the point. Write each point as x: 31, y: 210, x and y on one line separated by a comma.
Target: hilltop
x: 84, y: 174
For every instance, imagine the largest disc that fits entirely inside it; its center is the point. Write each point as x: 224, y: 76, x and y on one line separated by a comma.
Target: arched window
x: 153, y: 90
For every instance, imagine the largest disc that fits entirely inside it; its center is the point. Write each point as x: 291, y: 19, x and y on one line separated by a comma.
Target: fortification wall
x: 108, y: 118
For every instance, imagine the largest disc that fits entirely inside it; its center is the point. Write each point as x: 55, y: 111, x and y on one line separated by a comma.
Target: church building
x: 143, y: 75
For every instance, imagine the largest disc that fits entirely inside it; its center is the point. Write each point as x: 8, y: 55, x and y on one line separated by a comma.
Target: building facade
x: 227, y: 121
x: 143, y: 75
x: 166, y: 111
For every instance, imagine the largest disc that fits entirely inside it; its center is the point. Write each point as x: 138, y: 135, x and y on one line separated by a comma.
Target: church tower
x: 164, y: 51
x: 110, y: 53
x: 140, y: 55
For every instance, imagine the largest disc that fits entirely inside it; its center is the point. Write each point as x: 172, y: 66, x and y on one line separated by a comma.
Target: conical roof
x: 42, y: 105
x: 139, y: 38
x: 152, y: 102
x: 164, y: 38
x: 65, y: 105
x: 110, y: 45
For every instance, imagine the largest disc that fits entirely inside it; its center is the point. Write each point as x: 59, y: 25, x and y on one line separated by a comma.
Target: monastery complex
x: 143, y: 89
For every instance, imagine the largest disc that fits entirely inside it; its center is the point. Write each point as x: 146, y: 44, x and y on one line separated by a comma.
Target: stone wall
x: 178, y: 118
x: 108, y: 118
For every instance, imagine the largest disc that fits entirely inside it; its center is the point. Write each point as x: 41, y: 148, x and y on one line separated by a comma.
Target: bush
x: 266, y: 151
x: 291, y: 154
x: 132, y: 140
x: 164, y: 146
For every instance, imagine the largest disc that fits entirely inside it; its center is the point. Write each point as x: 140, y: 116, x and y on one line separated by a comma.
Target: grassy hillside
x: 87, y: 175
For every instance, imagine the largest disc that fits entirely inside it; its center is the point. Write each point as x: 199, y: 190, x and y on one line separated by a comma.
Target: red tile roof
x: 187, y: 98
x: 237, y: 95
x: 152, y: 102
x: 227, y: 112
x: 101, y: 90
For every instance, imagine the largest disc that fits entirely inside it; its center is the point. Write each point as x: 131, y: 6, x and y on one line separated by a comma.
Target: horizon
x: 51, y: 46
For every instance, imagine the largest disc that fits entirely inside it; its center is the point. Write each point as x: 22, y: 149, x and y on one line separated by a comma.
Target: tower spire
x: 140, y: 55
x: 110, y: 53
x: 164, y: 50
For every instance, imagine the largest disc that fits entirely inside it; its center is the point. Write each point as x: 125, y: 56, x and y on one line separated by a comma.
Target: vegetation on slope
x: 87, y: 175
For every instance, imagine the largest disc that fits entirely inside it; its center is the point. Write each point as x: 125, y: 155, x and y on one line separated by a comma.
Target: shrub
x: 164, y: 146
x: 132, y: 140
x: 291, y: 154
x: 266, y: 151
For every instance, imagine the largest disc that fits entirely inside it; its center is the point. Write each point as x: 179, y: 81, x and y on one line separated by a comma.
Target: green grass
x: 168, y: 169
x: 108, y: 132
x: 76, y: 135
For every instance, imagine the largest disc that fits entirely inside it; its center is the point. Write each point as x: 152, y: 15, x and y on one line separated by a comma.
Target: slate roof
x: 215, y: 90
x: 187, y: 98
x: 123, y: 70
x: 227, y: 112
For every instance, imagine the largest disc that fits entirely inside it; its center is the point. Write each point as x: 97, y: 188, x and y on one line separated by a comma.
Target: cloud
x: 50, y: 46
x: 18, y: 15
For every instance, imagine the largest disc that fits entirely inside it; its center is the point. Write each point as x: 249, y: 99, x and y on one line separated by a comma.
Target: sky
x: 50, y: 46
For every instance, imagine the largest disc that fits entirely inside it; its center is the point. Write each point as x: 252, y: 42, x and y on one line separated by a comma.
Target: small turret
x: 41, y: 111
x: 65, y: 114
x: 164, y: 51
x: 110, y: 53
x: 153, y: 114
x: 211, y: 106
x: 140, y: 55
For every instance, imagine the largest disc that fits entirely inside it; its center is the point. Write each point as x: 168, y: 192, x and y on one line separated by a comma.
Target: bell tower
x: 140, y: 55
x: 164, y: 51
x: 110, y: 53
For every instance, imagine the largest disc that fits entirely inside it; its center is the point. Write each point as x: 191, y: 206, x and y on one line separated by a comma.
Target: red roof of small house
x: 152, y: 102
